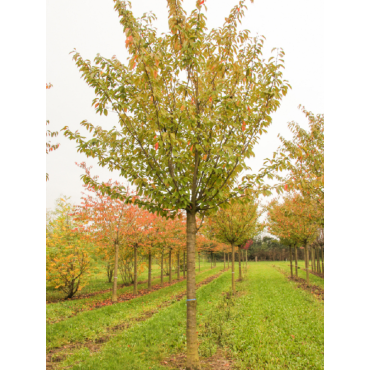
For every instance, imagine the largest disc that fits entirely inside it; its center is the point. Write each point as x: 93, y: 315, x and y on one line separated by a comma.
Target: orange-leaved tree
x: 109, y: 219
x: 294, y: 221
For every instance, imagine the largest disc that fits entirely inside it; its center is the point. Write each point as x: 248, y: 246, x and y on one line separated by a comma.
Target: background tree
x: 234, y: 225
x: 110, y: 219
x: 68, y: 251
x: 191, y: 105
x: 303, y: 159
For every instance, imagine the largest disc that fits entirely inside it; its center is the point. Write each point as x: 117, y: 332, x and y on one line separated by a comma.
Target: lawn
x: 270, y: 324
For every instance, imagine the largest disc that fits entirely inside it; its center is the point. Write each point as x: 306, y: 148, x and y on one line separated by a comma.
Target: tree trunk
x: 170, y: 267
x: 178, y: 266
x: 240, y: 265
x: 256, y: 258
x: 224, y: 261
x: 184, y: 272
x: 322, y: 259
x: 233, y: 268
x: 162, y: 269
x: 150, y: 271
x: 135, y: 269
x: 110, y: 272
x: 296, y: 260
x: 246, y: 260
x: 192, y: 360
x: 228, y: 260
x: 307, y: 262
x: 199, y: 260
x: 291, y: 261
x: 114, y: 295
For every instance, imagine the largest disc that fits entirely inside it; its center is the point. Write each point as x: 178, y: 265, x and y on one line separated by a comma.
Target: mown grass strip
x: 60, y: 311
x: 273, y: 326
x: 144, y: 346
x: 91, y: 325
x: 316, y: 280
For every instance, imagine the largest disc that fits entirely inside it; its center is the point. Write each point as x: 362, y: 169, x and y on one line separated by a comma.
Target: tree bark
x: 307, y: 262
x: 232, y: 268
x: 114, y: 293
x: 296, y: 260
x: 199, y: 260
x: 178, y: 266
x: 224, y: 261
x: 135, y: 269
x: 246, y: 260
x: 184, y: 272
x: 228, y: 260
x: 150, y: 271
x: 240, y: 264
x: 256, y: 258
x: 291, y: 261
x: 162, y: 269
x: 322, y: 259
x: 192, y: 360
x: 170, y: 267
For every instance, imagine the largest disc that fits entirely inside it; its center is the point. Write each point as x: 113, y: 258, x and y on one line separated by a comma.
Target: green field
x: 269, y: 324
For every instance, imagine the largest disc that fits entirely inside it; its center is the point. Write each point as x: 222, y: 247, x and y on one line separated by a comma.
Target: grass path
x: 270, y: 324
x: 60, y: 311
x: 274, y: 326
x: 90, y: 325
x: 145, y: 346
x: 301, y: 273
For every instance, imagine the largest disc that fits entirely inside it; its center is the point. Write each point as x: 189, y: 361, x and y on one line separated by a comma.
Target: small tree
x: 235, y: 225
x: 68, y: 249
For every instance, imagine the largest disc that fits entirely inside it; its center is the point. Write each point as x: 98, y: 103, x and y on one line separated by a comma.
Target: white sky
x: 93, y: 27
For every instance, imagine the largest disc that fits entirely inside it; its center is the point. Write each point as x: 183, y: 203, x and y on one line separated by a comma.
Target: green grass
x: 93, y: 324
x: 316, y: 280
x: 62, y: 310
x: 269, y: 324
x: 99, y: 280
x: 273, y: 326
x: 144, y: 346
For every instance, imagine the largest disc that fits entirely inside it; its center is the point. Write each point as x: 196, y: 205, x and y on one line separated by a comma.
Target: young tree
x: 294, y: 221
x: 234, y: 225
x: 191, y: 106
x: 68, y: 250
x: 109, y: 219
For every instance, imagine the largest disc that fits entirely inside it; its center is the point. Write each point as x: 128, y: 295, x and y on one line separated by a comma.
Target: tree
x: 303, y: 158
x: 294, y: 222
x: 234, y: 226
x: 191, y: 105
x: 50, y: 147
x: 109, y: 219
x: 68, y: 250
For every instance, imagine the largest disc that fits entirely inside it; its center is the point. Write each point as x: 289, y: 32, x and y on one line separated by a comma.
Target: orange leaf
x: 156, y: 146
x: 96, y: 105
x: 182, y: 107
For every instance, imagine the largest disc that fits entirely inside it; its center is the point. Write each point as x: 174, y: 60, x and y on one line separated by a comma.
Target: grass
x: 269, y: 324
x: 302, y: 274
x: 145, y: 345
x: 59, y: 311
x: 273, y: 326
x: 90, y: 325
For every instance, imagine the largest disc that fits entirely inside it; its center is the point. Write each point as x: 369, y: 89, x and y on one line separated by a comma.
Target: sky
x: 93, y: 27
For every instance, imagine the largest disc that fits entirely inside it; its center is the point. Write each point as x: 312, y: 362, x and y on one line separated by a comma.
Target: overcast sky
x: 92, y: 26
